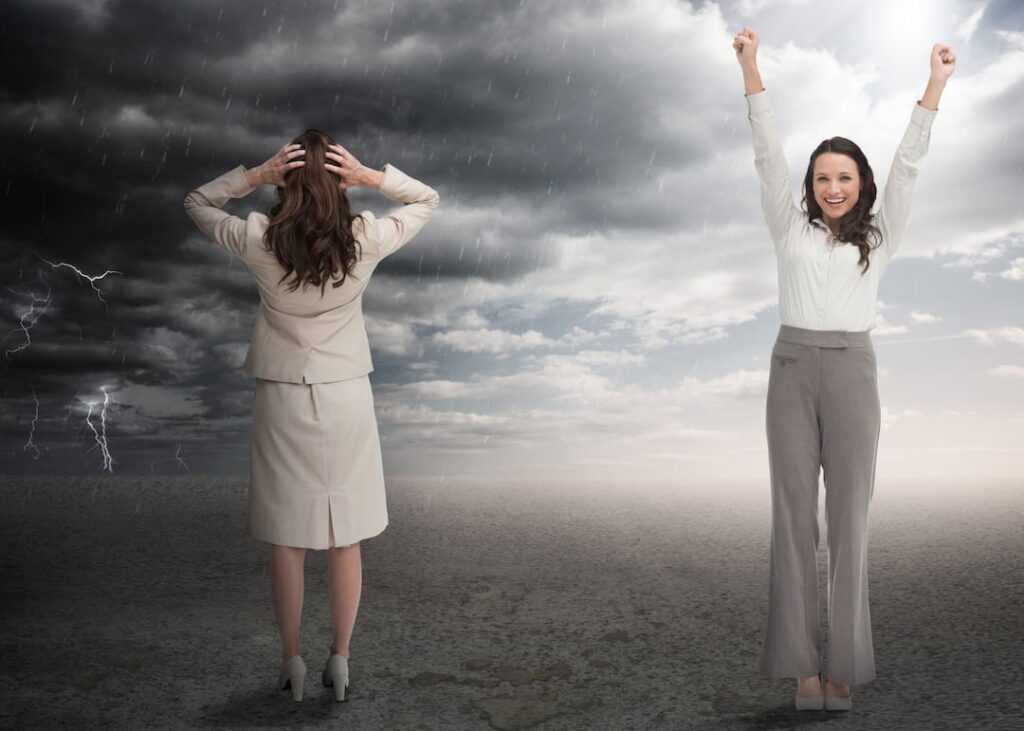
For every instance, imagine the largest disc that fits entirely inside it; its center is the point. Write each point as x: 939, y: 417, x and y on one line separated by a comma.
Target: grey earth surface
x: 142, y: 603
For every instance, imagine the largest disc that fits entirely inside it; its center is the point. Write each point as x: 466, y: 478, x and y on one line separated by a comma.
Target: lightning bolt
x: 29, y: 318
x: 101, y: 434
x: 92, y: 280
x: 30, y: 444
x: 177, y: 456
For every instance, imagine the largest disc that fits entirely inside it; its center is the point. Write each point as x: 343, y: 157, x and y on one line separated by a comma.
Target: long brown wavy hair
x: 857, y: 226
x: 310, y: 229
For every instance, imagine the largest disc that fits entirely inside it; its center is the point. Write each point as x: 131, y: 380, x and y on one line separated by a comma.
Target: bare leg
x: 287, y: 566
x: 344, y: 584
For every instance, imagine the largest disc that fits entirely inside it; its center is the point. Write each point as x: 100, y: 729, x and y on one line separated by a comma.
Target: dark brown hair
x: 857, y: 226
x: 310, y: 229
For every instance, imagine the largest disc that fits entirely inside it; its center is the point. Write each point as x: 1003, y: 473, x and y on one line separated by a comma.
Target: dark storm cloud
x: 108, y: 121
x: 113, y: 110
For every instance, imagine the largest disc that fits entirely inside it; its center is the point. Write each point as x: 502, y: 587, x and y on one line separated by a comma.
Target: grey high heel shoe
x: 808, y: 703
x: 336, y: 674
x: 293, y: 673
x: 838, y: 703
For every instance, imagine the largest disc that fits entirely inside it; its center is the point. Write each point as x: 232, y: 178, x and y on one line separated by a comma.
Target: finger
x: 334, y: 169
x: 295, y: 164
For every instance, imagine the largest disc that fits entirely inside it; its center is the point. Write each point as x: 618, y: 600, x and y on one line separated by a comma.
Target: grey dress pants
x: 822, y: 413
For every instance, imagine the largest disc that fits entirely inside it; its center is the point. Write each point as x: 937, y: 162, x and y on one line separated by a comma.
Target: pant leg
x: 791, y: 645
x: 851, y: 419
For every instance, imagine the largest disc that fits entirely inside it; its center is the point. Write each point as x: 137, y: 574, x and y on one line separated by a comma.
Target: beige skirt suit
x: 316, y: 477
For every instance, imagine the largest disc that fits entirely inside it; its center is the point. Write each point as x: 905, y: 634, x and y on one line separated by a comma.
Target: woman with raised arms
x: 823, y: 411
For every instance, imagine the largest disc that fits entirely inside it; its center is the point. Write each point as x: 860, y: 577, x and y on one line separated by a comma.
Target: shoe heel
x: 293, y: 674
x: 297, y: 681
x: 336, y: 675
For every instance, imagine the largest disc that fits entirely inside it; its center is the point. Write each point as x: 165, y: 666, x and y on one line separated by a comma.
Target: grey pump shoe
x: 836, y: 703
x: 809, y: 703
x: 293, y: 673
x: 336, y: 674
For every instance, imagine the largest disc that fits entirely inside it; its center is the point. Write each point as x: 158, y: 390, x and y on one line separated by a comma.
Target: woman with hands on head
x: 316, y: 479
x: 823, y: 411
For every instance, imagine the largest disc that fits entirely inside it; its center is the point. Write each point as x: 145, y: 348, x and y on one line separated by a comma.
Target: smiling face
x: 836, y: 185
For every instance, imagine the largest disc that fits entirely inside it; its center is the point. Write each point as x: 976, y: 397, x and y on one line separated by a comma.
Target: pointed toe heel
x: 293, y: 674
x: 336, y: 675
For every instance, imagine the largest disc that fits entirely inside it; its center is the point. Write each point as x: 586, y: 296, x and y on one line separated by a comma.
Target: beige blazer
x: 301, y: 337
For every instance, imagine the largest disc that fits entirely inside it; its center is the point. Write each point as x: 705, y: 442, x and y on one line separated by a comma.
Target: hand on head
x: 274, y: 169
x: 745, y: 44
x: 345, y: 166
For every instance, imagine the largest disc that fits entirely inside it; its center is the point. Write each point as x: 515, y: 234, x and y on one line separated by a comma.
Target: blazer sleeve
x: 780, y: 211
x: 393, y: 231
x: 895, y: 209
x: 204, y: 206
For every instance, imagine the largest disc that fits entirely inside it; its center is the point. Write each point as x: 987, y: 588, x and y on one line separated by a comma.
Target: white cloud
x: 470, y: 320
x: 491, y: 341
x: 1007, y: 371
x: 741, y: 384
x: 924, y: 318
x: 607, y: 358
x: 1013, y: 335
x: 389, y: 336
x: 891, y: 416
x: 1015, y: 270
x: 884, y: 327
x: 687, y: 434
x: 987, y: 260
x: 753, y: 7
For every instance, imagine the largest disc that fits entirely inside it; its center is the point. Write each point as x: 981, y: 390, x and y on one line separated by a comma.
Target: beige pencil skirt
x: 316, y: 479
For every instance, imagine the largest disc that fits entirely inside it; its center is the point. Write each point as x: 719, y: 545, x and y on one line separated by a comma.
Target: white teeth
x: 834, y: 200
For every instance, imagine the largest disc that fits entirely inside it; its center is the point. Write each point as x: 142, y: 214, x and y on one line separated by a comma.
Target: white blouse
x: 820, y: 282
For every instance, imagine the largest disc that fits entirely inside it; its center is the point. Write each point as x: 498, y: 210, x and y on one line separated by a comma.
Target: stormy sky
x: 597, y: 293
